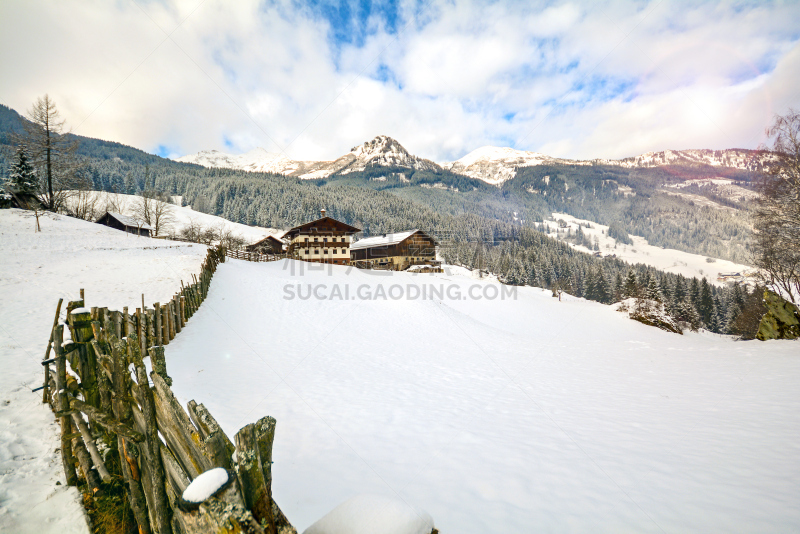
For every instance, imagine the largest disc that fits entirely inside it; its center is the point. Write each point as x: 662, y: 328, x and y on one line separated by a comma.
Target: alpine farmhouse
x: 413, y: 249
x: 325, y: 240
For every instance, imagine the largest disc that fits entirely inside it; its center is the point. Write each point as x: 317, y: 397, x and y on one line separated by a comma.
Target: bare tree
x: 155, y: 211
x: 162, y: 217
x: 84, y: 205
x: 191, y: 232
x: 228, y: 238
x: 53, y: 153
x: 777, y: 215
x: 113, y: 202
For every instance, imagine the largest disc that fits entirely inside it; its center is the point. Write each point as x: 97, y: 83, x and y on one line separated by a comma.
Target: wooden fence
x: 135, y: 429
x: 253, y: 256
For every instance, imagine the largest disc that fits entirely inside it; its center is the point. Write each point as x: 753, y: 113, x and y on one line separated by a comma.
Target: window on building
x: 316, y: 251
x: 316, y: 240
x: 324, y: 239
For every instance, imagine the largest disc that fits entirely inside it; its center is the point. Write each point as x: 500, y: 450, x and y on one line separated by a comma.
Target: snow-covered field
x: 526, y: 415
x: 36, y: 269
x: 666, y: 259
x: 491, y: 415
x: 182, y: 216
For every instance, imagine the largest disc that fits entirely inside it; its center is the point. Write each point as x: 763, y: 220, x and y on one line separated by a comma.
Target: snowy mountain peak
x: 384, y: 151
x: 495, y: 165
x: 256, y: 160
x: 382, y: 144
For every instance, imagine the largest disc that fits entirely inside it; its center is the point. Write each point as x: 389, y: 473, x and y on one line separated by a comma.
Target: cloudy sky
x: 313, y: 79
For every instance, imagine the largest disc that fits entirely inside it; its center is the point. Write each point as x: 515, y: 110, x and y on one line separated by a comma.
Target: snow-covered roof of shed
x: 382, y: 240
x: 127, y: 220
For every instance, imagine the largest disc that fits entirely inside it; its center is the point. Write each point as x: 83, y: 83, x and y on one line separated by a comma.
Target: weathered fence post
x: 63, y: 407
x: 254, y: 452
x: 164, y: 325
x: 140, y: 331
x: 159, y: 506
x: 157, y: 314
x: 92, y: 448
x: 82, y: 334
x: 122, y: 410
x: 218, y: 446
x: 159, y: 364
x: 46, y: 391
x: 85, y: 462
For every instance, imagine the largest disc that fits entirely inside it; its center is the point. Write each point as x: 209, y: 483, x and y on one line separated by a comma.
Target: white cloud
x: 571, y: 79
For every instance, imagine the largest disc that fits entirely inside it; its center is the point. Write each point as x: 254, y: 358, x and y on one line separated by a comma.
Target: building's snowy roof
x: 323, y: 221
x: 382, y: 240
x: 268, y: 238
x: 127, y: 220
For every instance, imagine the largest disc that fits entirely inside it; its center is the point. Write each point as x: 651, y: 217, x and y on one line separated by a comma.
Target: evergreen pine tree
x: 619, y: 287
x: 679, y: 291
x: 653, y: 292
x: 705, y: 305
x: 21, y: 176
x: 602, y: 289
x: 688, y: 314
x: 631, y: 287
x: 694, y: 290
x: 590, y: 291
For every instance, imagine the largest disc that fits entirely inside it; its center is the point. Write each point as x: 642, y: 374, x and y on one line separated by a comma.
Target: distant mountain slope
x: 383, y: 151
x: 492, y: 165
x: 257, y: 160
x: 496, y: 165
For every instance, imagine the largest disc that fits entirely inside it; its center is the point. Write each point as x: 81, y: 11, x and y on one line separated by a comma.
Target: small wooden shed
x: 125, y: 223
x: 268, y: 245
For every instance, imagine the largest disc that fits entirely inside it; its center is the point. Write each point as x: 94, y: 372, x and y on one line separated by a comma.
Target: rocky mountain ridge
x: 493, y: 165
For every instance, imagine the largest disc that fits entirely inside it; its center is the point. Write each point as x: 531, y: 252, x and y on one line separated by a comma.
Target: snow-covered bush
x: 650, y: 312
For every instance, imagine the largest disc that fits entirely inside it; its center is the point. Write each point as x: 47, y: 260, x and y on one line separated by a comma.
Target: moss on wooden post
x: 254, y: 453
x: 159, y: 363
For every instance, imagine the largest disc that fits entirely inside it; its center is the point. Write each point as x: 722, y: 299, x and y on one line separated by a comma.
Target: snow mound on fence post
x: 205, y: 485
x: 373, y: 514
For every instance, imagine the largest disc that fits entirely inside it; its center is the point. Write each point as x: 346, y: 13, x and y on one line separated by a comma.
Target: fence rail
x: 253, y: 256
x: 104, y: 399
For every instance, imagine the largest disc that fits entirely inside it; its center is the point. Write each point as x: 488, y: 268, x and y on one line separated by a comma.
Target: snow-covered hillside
x: 36, y: 269
x: 735, y: 158
x: 526, y: 415
x: 181, y: 216
x: 257, y: 160
x: 665, y: 259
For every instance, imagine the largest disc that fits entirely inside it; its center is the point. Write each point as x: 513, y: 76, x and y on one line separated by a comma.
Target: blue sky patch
x: 351, y: 22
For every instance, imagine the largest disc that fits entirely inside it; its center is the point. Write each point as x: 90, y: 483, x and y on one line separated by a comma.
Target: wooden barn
x: 325, y: 240
x: 396, y: 252
x: 125, y: 223
x: 268, y: 245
